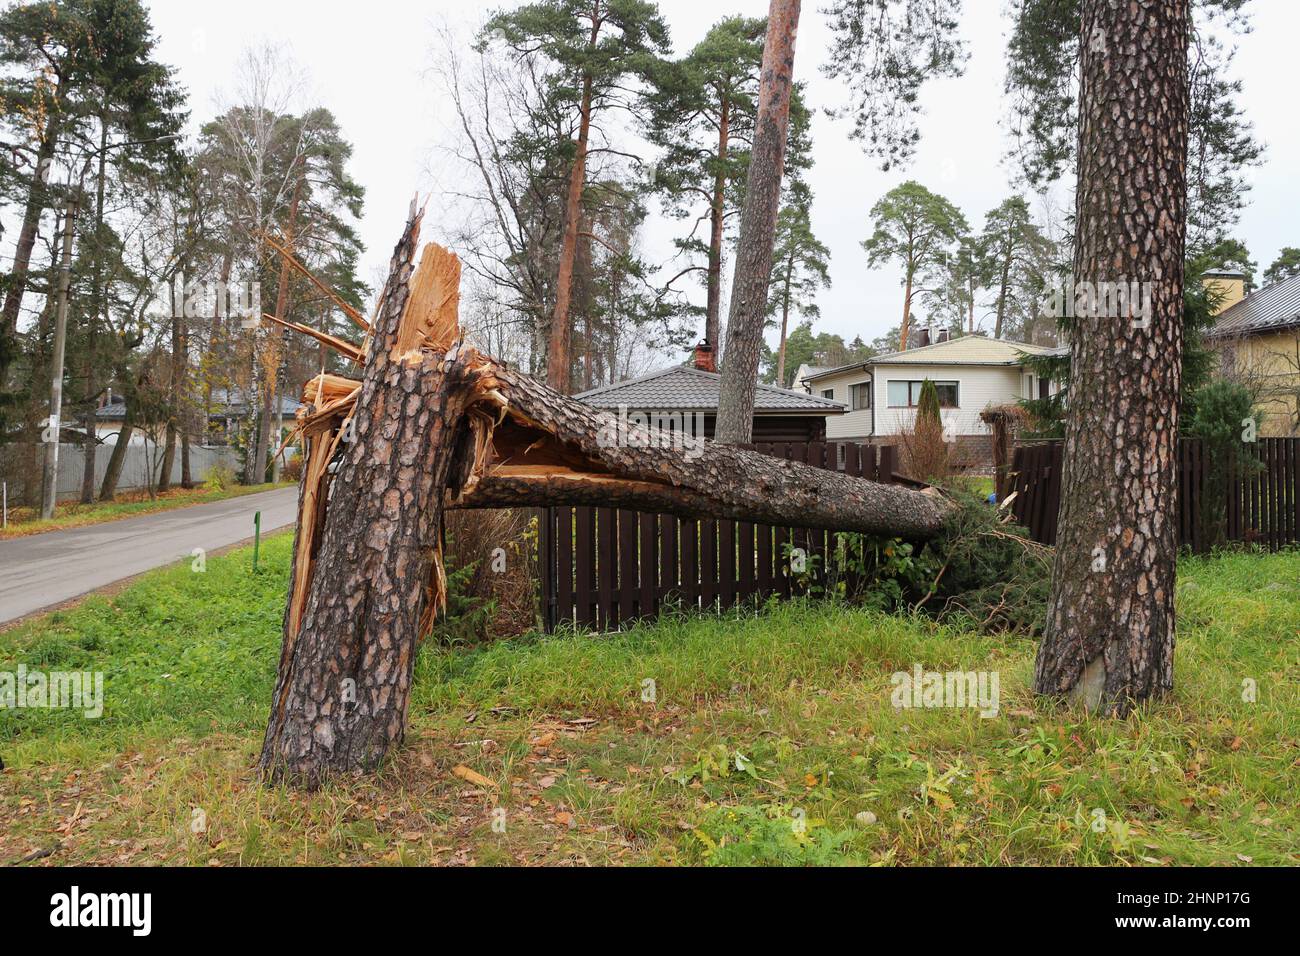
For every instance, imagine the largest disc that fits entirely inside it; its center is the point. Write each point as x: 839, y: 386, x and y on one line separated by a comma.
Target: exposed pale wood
x: 342, y: 346
x: 433, y: 308
x: 350, y: 311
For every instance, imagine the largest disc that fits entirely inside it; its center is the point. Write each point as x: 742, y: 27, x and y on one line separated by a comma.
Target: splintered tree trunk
x: 758, y: 227
x: 1109, y: 641
x: 340, y: 701
x: 436, y: 424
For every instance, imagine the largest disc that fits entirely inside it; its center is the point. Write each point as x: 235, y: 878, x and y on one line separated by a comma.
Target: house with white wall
x: 970, y: 373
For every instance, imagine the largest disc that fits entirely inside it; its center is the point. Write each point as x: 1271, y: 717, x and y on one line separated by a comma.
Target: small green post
x: 257, y: 536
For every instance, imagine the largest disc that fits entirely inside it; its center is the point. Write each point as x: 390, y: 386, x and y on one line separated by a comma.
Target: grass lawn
x: 73, y: 514
x: 772, y: 739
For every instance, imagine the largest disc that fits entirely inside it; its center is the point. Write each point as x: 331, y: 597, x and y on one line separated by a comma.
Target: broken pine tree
x: 433, y: 424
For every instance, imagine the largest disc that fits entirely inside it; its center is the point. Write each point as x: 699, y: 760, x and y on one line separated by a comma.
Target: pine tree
x: 919, y: 230
x: 596, y: 45
x: 801, y: 267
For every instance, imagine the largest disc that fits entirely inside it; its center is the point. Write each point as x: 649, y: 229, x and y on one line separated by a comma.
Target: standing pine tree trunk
x: 108, y: 488
x: 184, y: 416
x: 558, y: 371
x: 271, y: 370
x: 786, y: 281
x: 905, y: 326
x: 717, y: 223
x: 174, y: 404
x: 37, y: 201
x: 1110, y: 627
x: 758, y: 227
x: 99, y: 304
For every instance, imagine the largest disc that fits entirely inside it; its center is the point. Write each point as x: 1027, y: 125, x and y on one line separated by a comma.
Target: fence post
x: 545, y: 555
x: 257, y: 536
x: 887, y: 464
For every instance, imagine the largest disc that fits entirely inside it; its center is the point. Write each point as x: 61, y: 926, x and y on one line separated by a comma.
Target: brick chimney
x: 1229, y: 281
x: 922, y: 338
x: 704, y: 358
x: 941, y: 336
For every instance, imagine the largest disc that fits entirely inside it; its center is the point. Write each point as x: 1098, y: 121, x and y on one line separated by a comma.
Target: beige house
x: 970, y: 372
x: 1257, y: 336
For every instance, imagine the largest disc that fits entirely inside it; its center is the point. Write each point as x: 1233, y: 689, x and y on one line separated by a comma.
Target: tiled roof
x: 1269, y: 309
x: 686, y: 389
x: 963, y: 350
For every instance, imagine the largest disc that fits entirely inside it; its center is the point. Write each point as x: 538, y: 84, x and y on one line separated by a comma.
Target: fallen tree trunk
x: 435, y: 424
x: 552, y: 450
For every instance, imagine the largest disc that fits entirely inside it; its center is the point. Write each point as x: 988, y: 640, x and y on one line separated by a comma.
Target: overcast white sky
x: 367, y: 63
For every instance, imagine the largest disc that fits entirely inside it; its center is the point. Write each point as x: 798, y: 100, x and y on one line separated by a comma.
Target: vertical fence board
x: 605, y: 564
x: 690, y: 579
x: 708, y: 563
x: 629, y: 582
x: 585, y: 563
x: 563, y: 538
x: 727, y: 563
x: 669, y: 588
x: 648, y: 560
x: 746, y: 558
x: 547, y: 565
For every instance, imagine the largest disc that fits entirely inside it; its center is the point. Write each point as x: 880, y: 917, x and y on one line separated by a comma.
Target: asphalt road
x: 43, y: 570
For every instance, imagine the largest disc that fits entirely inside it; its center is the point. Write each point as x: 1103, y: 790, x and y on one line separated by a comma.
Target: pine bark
x: 271, y: 390
x: 749, y: 285
x: 581, y: 461
x: 1109, y: 641
x: 37, y: 200
x: 788, y: 280
x: 905, y: 326
x: 89, y: 443
x: 558, y: 371
x: 717, y: 215
x: 108, y: 487
x: 341, y: 696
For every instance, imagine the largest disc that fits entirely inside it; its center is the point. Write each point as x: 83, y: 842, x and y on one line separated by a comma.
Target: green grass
x: 73, y: 514
x: 769, y: 736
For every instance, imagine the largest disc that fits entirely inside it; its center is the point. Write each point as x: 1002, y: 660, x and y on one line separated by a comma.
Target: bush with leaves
x: 925, y: 454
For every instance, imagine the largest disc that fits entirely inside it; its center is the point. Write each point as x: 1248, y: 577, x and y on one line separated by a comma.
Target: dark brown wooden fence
x: 603, y: 567
x: 1262, y: 506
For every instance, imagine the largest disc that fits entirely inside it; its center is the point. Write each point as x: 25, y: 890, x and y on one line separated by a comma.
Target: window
x: 860, y: 396
x: 828, y: 393
x: 908, y: 394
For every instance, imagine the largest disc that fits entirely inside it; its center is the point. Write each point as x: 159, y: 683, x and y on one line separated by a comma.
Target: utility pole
x: 56, y: 378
